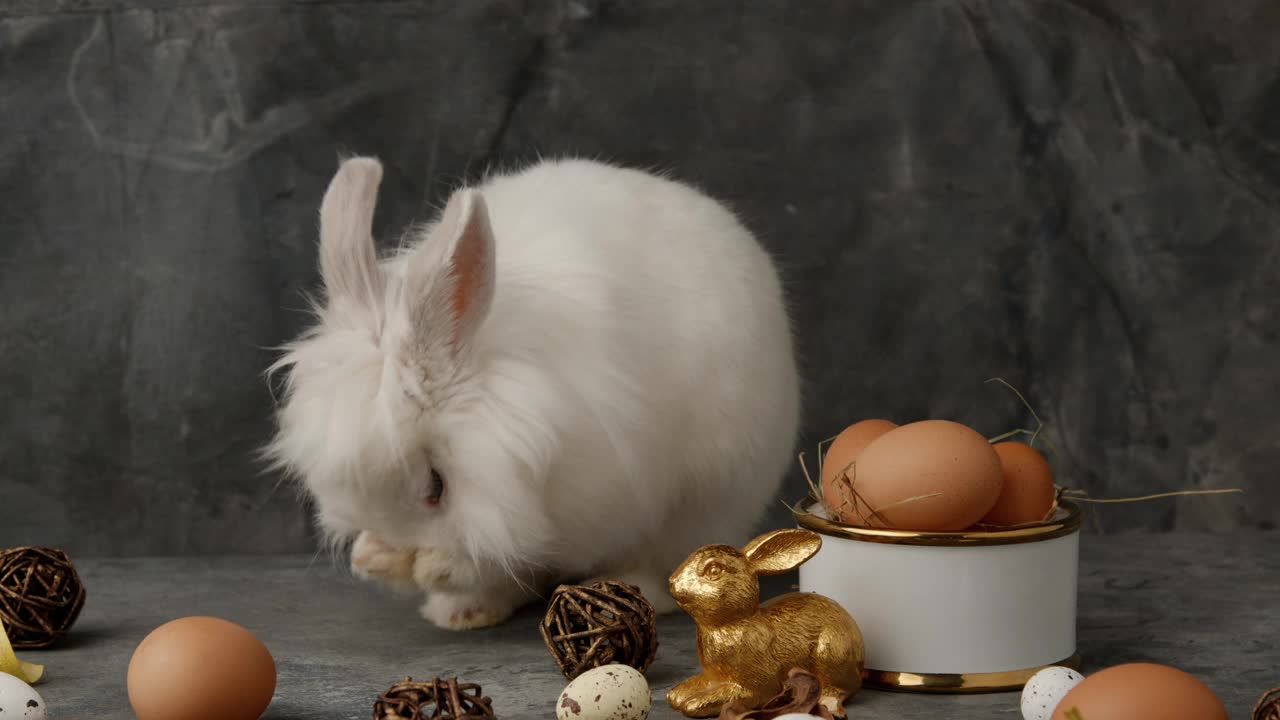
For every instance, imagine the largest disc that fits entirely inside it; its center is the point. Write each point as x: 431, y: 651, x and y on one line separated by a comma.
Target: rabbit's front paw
x: 437, y: 570
x: 372, y: 558
x: 468, y: 610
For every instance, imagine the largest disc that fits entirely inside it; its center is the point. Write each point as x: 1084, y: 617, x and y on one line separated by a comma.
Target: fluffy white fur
x: 597, y: 360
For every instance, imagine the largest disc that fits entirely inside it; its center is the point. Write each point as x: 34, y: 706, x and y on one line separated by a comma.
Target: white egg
x: 20, y: 701
x: 1045, y: 689
x: 609, y: 692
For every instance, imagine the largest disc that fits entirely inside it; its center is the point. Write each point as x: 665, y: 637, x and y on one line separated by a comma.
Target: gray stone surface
x: 1081, y: 196
x: 1206, y: 603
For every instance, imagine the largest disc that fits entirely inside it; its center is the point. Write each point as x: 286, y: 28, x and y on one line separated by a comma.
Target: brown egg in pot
x: 840, y: 456
x: 931, y: 475
x: 1028, y: 494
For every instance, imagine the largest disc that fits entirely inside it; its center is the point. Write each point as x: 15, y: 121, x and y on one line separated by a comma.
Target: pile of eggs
x: 1121, y: 692
x: 933, y: 476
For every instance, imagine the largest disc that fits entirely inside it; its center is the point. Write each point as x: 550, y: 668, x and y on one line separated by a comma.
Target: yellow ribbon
x: 29, y: 673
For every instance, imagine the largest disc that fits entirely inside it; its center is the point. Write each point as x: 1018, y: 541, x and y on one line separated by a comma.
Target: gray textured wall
x: 1080, y: 196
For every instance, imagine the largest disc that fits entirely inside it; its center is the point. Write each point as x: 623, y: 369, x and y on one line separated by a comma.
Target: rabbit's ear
x: 781, y: 550
x: 450, y: 278
x: 348, y: 259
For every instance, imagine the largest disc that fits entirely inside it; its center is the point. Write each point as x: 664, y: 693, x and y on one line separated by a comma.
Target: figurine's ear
x: 781, y: 550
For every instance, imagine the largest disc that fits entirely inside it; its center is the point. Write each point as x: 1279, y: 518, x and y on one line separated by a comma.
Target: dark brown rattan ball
x: 1268, y: 707
x: 587, y: 626
x: 40, y: 595
x: 434, y: 699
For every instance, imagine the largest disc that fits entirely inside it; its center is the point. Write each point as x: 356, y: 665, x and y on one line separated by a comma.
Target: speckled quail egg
x: 1045, y: 689
x: 609, y: 692
x: 20, y: 701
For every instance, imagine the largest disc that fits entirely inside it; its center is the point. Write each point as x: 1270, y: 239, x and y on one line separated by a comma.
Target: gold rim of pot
x: 1059, y: 527
x: 959, y: 682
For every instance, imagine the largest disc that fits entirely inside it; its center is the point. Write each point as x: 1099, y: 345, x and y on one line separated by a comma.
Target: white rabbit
x: 578, y: 371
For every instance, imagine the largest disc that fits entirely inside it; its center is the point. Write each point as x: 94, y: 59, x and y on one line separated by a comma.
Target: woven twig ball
x: 587, y: 626
x: 1268, y: 707
x: 40, y: 595
x: 434, y: 699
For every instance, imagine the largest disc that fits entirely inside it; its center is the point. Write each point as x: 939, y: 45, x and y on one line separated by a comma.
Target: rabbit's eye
x: 435, y: 490
x: 712, y: 570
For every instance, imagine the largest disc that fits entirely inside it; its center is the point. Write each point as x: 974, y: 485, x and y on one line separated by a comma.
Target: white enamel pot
x: 953, y: 612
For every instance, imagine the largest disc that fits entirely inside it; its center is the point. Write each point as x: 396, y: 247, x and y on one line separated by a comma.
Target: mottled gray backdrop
x: 1082, y: 197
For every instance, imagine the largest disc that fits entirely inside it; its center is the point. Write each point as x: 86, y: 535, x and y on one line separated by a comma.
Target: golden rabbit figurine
x: 746, y: 648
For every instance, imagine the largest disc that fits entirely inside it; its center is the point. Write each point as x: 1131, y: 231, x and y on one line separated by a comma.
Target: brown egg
x: 1141, y: 690
x: 840, y: 456
x: 1028, y: 492
x: 201, y: 668
x: 932, y: 475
